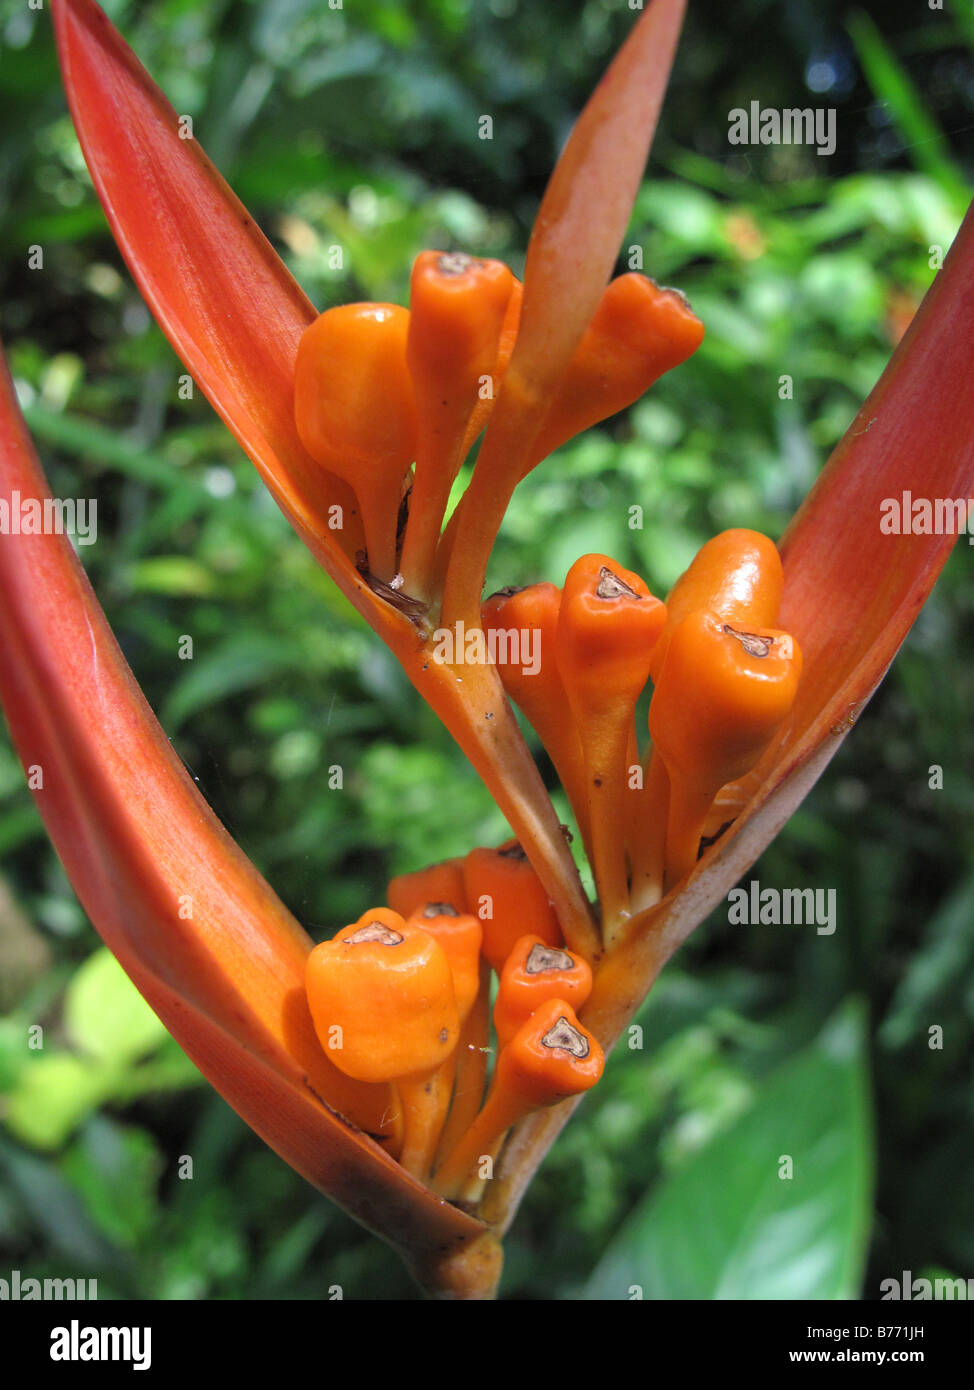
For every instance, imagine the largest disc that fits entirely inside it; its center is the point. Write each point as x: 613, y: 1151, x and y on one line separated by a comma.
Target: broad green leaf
x: 52, y: 1095
x: 105, y: 1015
x: 171, y: 574
x: 115, y: 1169
x: 727, y: 1226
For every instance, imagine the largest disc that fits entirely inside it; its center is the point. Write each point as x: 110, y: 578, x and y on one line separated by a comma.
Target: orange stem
x: 470, y: 1068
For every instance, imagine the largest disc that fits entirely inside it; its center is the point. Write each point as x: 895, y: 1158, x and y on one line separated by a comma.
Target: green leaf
x: 107, y: 448
x: 727, y: 1226
x: 171, y: 574
x: 891, y: 85
x: 115, y: 1169
x: 964, y: 20
x: 61, y: 1222
x: 52, y: 1095
x: 18, y: 826
x: 106, y: 1016
x: 242, y: 662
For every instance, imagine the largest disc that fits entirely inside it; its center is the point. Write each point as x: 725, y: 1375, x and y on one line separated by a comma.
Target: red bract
x: 225, y: 972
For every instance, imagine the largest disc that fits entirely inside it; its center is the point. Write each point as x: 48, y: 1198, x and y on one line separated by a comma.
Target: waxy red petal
x: 198, y: 930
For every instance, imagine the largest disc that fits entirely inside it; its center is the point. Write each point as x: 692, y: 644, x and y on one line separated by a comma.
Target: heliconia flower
x: 199, y: 932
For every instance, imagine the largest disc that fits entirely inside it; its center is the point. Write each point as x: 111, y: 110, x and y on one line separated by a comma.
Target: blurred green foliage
x: 358, y: 128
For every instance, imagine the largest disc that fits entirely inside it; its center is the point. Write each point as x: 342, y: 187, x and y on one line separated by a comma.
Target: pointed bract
x: 192, y: 922
x: 589, y: 199
x: 573, y: 247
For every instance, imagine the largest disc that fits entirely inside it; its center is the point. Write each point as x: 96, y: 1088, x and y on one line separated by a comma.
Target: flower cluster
x: 391, y: 401
x: 369, y: 412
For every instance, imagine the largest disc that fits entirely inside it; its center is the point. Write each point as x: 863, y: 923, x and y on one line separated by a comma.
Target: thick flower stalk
x: 363, y: 1060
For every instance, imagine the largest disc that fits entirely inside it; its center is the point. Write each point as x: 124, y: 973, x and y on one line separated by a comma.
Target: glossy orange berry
x: 388, y: 988
x: 509, y: 900
x: 457, y: 309
x: 638, y: 332
x: 737, y: 575
x: 438, y: 883
x: 550, y: 1058
x: 382, y: 1000
x: 533, y: 974
x: 355, y: 413
x: 608, y: 624
x: 722, y: 695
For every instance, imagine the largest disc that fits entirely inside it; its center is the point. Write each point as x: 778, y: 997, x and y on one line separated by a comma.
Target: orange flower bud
x: 608, y: 625
x: 505, y: 350
x: 737, y: 575
x: 439, y: 883
x: 382, y: 1000
x: 509, y: 900
x: 457, y: 311
x: 541, y: 694
x: 550, y: 1058
x: 462, y: 1074
x: 457, y: 308
x: 479, y: 419
x: 355, y: 413
x: 461, y: 937
x: 638, y: 332
x: 388, y: 988
x: 534, y: 973
x: 722, y: 695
